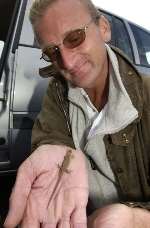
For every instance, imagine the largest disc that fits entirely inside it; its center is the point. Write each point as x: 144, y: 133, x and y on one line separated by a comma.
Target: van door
x: 27, y: 91
x: 8, y: 10
x: 21, y: 89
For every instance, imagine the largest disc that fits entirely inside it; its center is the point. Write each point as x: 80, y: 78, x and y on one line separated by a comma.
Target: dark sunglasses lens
x: 51, y: 53
x: 74, y: 38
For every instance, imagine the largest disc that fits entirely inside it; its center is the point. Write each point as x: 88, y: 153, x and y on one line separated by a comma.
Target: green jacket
x: 128, y: 150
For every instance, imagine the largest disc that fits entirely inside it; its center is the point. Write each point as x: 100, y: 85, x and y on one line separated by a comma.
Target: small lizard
x: 63, y: 168
x: 65, y: 164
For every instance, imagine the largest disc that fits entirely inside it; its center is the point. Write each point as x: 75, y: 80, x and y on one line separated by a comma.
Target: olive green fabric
x: 52, y: 125
x: 128, y: 150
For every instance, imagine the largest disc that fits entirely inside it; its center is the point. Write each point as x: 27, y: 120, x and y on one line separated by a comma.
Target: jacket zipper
x: 62, y: 107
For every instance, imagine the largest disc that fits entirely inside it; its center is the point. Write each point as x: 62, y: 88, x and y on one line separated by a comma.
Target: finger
x: 18, y: 199
x: 48, y: 225
x: 79, y: 218
x: 29, y: 224
x: 79, y: 225
x: 64, y: 224
x: 31, y: 216
x: 60, y: 210
x: 67, y: 209
x: 74, y: 209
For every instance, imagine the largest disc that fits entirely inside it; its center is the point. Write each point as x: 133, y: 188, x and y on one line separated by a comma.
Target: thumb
x: 19, y: 195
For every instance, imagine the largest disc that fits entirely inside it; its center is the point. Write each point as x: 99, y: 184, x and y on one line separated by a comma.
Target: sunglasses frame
x: 56, y: 47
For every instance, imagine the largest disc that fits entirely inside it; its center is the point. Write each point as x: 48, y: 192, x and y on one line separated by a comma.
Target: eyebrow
x: 81, y: 27
x: 67, y: 33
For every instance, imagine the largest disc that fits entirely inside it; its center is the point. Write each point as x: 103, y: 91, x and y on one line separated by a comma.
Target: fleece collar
x: 119, y: 110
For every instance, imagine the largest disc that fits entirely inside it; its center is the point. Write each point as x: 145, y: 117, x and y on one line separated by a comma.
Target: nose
x: 68, y: 58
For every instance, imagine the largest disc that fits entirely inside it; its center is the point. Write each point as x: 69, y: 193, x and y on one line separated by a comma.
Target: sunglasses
x: 73, y: 39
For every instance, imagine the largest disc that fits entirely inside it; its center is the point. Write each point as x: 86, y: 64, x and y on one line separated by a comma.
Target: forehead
x: 61, y: 17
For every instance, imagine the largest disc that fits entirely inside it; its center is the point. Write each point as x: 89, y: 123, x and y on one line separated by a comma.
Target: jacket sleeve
x: 145, y: 134
x: 142, y: 205
x: 50, y: 126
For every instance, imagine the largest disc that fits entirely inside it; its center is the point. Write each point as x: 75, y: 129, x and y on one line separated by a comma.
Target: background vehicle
x: 132, y: 39
x: 21, y: 87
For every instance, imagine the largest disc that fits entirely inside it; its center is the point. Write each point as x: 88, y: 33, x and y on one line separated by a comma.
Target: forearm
x: 141, y: 218
x: 119, y: 215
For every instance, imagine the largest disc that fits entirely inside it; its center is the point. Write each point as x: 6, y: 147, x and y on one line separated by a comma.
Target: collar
x: 119, y: 110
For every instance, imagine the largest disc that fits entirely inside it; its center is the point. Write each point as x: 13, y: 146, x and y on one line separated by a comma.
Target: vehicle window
x: 27, y: 35
x: 122, y: 39
x: 142, y: 38
x: 7, y: 8
x: 6, y: 11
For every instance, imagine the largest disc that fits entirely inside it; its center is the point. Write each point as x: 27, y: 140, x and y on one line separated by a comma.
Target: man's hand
x: 119, y: 216
x: 51, y: 190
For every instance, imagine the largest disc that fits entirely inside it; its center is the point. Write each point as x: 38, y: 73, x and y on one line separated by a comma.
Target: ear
x: 105, y: 29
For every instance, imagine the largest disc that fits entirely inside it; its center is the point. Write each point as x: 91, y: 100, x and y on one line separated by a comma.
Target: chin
x: 83, y: 84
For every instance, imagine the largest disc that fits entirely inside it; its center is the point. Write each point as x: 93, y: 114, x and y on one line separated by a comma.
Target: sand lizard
x: 63, y: 168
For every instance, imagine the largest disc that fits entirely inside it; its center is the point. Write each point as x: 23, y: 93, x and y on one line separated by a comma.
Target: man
x: 97, y: 103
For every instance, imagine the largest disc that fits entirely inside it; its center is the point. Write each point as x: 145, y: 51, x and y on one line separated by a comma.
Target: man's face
x: 84, y: 65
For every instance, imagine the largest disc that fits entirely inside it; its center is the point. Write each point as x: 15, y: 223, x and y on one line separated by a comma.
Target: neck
x: 99, y: 94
